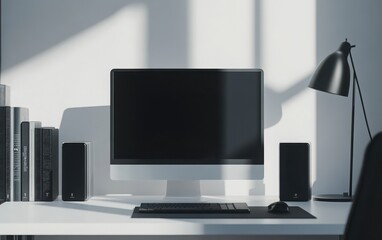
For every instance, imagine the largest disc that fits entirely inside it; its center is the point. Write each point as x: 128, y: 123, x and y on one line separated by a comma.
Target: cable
x: 360, y: 95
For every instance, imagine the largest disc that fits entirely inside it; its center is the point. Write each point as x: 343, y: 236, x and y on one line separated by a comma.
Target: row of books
x: 28, y: 157
x: 17, y: 238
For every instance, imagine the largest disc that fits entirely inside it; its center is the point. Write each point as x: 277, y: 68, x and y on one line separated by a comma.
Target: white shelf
x: 111, y: 215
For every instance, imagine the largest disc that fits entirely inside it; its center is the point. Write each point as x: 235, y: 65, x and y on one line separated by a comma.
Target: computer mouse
x: 278, y: 207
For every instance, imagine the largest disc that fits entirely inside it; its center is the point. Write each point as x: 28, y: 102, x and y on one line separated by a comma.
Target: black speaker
x: 76, y: 172
x: 295, y: 172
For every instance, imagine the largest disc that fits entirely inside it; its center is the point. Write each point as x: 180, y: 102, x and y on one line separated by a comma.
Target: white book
x: 32, y: 127
x: 28, y: 159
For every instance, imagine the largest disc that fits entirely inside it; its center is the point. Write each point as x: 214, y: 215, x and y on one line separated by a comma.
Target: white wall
x: 57, y: 55
x: 359, y: 21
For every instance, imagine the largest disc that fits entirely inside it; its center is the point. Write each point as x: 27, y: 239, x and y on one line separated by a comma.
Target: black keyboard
x: 194, y: 208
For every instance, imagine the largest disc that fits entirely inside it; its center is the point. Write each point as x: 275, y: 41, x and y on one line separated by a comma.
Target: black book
x: 49, y: 164
x: 24, y: 161
x: 38, y: 164
x: 19, y: 115
x: 5, y: 152
x: 28, y: 160
x: 10, y: 144
x: 12, y: 237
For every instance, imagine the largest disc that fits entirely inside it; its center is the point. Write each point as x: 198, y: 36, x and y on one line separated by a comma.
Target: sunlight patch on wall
x: 76, y: 72
x: 288, y: 47
x: 288, y: 41
x: 222, y: 33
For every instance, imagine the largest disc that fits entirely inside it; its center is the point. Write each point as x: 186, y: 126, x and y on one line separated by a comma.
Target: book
x: 5, y: 152
x: 9, y: 157
x: 16, y: 237
x: 38, y: 164
x: 4, y: 95
x: 28, y: 159
x: 49, y: 164
x: 19, y: 115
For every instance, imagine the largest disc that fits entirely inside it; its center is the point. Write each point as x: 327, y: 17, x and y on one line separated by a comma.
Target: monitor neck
x: 183, y: 188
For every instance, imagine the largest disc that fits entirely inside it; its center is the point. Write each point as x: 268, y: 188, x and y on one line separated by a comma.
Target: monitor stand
x: 181, y: 190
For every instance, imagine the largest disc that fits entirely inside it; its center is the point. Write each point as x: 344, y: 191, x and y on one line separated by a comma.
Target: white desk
x: 111, y: 215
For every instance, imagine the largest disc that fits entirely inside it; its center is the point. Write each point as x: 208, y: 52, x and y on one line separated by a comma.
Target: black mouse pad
x: 256, y: 212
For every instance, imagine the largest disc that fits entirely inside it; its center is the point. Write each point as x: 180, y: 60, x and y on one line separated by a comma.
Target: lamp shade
x: 333, y: 73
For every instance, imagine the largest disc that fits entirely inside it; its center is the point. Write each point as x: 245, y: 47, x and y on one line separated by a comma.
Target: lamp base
x: 333, y: 198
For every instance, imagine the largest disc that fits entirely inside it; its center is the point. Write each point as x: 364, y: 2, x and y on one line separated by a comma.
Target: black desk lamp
x: 333, y: 76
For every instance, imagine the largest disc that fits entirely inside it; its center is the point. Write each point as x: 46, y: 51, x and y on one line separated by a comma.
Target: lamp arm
x: 360, y: 95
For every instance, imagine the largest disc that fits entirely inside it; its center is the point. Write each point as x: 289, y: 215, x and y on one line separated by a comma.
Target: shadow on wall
x: 36, y: 26
x: 359, y: 21
x: 274, y: 100
x: 92, y: 124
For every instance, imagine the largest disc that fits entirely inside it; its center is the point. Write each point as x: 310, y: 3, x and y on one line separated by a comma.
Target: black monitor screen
x: 186, y: 116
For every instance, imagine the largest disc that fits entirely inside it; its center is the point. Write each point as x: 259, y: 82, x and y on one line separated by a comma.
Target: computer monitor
x: 187, y: 124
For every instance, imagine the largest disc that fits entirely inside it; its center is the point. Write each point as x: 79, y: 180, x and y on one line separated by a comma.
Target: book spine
x: 50, y: 164
x: 9, y: 162
x: 55, y: 164
x: 38, y: 164
x: 32, y: 127
x: 4, y: 112
x: 25, y: 161
x: 89, y: 171
x: 31, y: 161
x: 47, y: 165
x: 19, y: 115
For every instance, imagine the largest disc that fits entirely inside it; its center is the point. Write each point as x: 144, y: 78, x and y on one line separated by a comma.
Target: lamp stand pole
x: 350, y: 194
